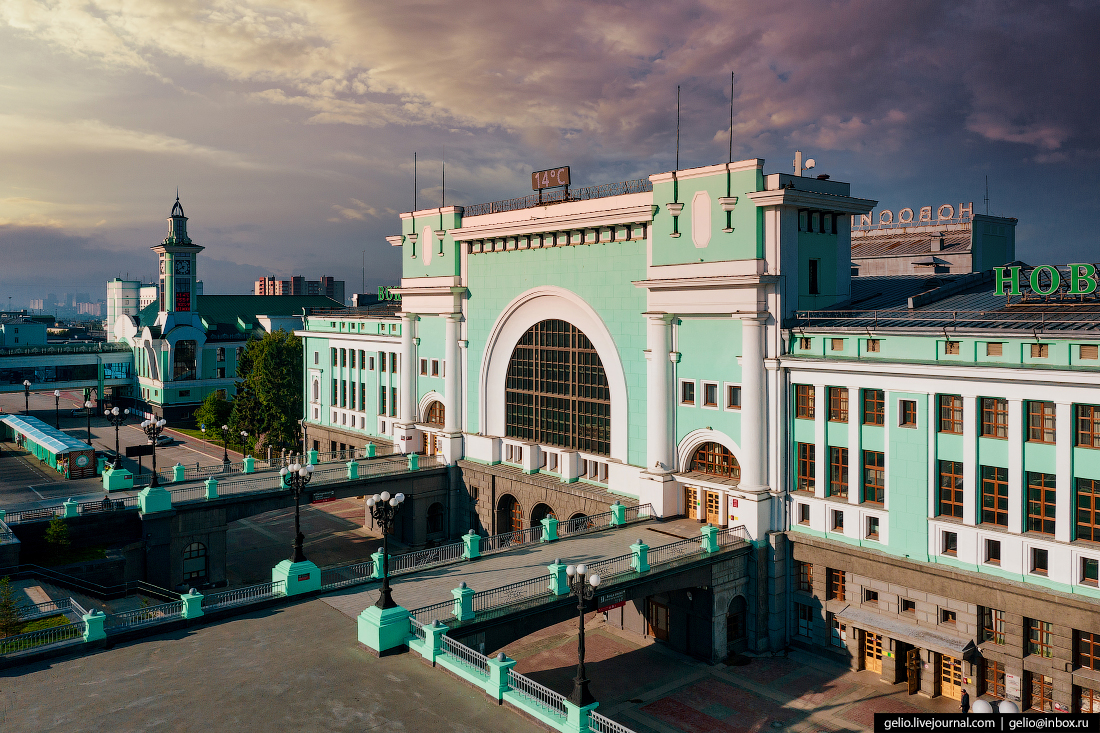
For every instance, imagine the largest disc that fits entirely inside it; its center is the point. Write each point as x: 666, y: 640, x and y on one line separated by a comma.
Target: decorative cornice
x: 810, y: 199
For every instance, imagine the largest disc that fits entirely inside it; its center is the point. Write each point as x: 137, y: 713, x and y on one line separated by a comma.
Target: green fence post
x: 618, y: 514
x: 353, y: 470
x: 249, y: 464
x: 314, y: 457
x: 414, y: 462
x: 192, y: 603
x: 640, y: 561
x: 433, y: 640
x: 497, y: 684
x: 211, y: 488
x: 178, y: 472
x: 576, y: 717
x: 471, y: 545
x: 376, y: 571
x: 549, y: 529
x: 710, y: 537
x: 93, y: 625
x: 156, y: 499
x: 464, y: 602
x: 70, y: 508
x: 369, y: 450
x: 559, y: 580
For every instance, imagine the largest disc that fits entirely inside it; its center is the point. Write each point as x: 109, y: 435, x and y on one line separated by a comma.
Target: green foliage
x: 58, y: 533
x: 9, y: 619
x: 268, y: 403
x: 213, y: 412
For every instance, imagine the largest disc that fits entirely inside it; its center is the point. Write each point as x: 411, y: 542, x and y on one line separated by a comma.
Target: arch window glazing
x: 556, y: 391
x: 435, y: 414
x: 716, y: 460
x: 194, y: 561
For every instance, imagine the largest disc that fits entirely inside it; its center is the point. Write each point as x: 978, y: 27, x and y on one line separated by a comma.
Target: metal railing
x: 188, y: 493
x: 600, y: 724
x: 472, y: 659
x: 674, y: 550
x: 417, y: 629
x: 77, y: 609
x: 30, y: 515
x: 510, y: 539
x: 733, y: 536
x: 6, y: 535
x: 99, y: 347
x: 239, y: 596
x: 39, y: 610
x: 638, y: 513
x: 1016, y: 317
x: 42, y: 637
x: 583, y: 525
x: 421, y: 558
x: 612, y: 566
x: 511, y: 594
x: 345, y: 575
x: 603, y: 190
x: 107, y: 504
x: 542, y: 696
x: 143, y: 616
x: 441, y: 611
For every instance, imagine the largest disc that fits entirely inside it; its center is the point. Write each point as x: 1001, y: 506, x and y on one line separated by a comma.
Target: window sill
x: 839, y: 420
x: 1038, y: 573
x: 992, y: 563
x: 950, y: 554
x: 873, y: 537
x: 994, y: 437
x: 949, y: 432
x: 874, y: 424
x: 1041, y: 442
x: 803, y: 417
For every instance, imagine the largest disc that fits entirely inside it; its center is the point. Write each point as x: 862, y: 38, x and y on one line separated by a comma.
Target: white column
x: 1016, y: 481
x: 855, y: 444
x: 659, y: 458
x: 1063, y: 479
x: 753, y: 418
x: 450, y: 377
x: 971, y: 505
x: 406, y: 409
x: 821, y: 450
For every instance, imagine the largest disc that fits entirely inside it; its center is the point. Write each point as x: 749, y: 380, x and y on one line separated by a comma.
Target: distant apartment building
x: 37, y: 304
x: 89, y: 309
x: 298, y: 285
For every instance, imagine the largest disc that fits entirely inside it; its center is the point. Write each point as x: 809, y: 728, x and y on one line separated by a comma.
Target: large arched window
x: 716, y: 460
x: 556, y: 391
x: 194, y: 562
x: 435, y: 414
x: 184, y: 359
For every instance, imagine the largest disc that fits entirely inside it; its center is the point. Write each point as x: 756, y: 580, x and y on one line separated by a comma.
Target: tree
x: 9, y: 618
x: 213, y: 413
x: 58, y: 533
x: 268, y: 403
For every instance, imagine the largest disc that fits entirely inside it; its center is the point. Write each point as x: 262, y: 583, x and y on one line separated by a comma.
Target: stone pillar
x: 464, y: 602
x: 640, y: 559
x: 450, y: 377
x: 855, y: 444
x: 971, y: 494
x: 659, y: 458
x: 1063, y: 478
x: 821, y: 448
x: 407, y: 408
x: 471, y: 545
x: 1016, y: 465
x: 753, y: 415
x: 497, y: 684
x: 192, y: 604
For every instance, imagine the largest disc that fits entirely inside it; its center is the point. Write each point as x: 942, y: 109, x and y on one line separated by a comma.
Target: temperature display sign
x: 550, y: 178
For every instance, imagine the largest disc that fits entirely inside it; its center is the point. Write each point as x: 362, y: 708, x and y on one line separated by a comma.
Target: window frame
x: 995, y: 489
x: 835, y: 585
x: 1087, y: 432
x: 710, y: 405
x: 988, y: 544
x: 950, y: 408
x: 838, y: 471
x: 685, y: 386
x: 838, y: 404
x: 949, y: 543
x: 806, y: 473
x: 1041, y: 425
x: 950, y: 481
x: 994, y: 422
x: 869, y: 533
x: 1039, y: 561
x: 730, y: 404
x: 805, y: 576
x: 1038, y: 637
x: 880, y: 470
x: 804, y: 395
x: 874, y: 406
x: 1043, y: 521
x: 1086, y: 649
x: 907, y: 414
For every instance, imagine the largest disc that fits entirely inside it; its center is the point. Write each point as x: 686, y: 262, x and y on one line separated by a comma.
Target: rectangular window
x: 393, y: 401
x: 874, y: 476
x: 870, y: 596
x: 994, y: 417
x: 351, y: 397
x: 838, y: 404
x: 951, y: 347
x: 1040, y: 351
x: 907, y: 606
x: 873, y: 346
x: 803, y: 514
x: 435, y: 367
x: 836, y: 344
x: 362, y: 359
x: 1088, y: 426
x: 335, y: 394
x: 907, y: 413
x: 362, y: 398
x: 1090, y: 571
x: 804, y: 401
x: 343, y: 393
x: 950, y: 543
x: 838, y: 472
x: 805, y: 576
x: 1088, y: 701
x: 733, y: 397
x: 1040, y: 561
x: 382, y: 400
x: 813, y: 288
x: 371, y: 364
x: 343, y: 357
x: 838, y: 632
x: 805, y: 616
x: 993, y: 552
x: 948, y: 617
x: 1040, y: 422
x: 351, y: 358
x: 710, y: 395
x: 393, y: 363
x: 1088, y: 509
x: 806, y: 466
x: 1089, y: 351
x: 872, y: 528
x: 687, y: 393
x: 995, y: 495
x: 994, y: 349
x: 381, y: 361
x: 838, y: 521
x: 834, y: 581
x: 993, y: 625
x: 804, y: 343
x: 1088, y: 650
x: 1042, y: 692
x: 423, y: 367
x: 951, y: 489
x: 1040, y: 502
x: 993, y: 679
x: 951, y: 413
x: 874, y: 407
x: 335, y: 361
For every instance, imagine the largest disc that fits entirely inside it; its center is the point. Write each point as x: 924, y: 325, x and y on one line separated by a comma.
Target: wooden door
x: 872, y: 652
x: 950, y: 677
x: 713, y: 507
x: 691, y: 503
x: 656, y: 616
x: 912, y: 670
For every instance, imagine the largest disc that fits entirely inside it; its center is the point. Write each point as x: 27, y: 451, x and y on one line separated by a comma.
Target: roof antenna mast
x: 677, y: 127
x: 414, y: 180
x: 733, y: 80
x: 987, y: 195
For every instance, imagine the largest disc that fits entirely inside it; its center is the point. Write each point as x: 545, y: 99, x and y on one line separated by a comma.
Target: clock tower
x: 178, y: 255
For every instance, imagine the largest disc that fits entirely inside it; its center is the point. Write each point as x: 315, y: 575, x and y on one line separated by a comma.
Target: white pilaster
x: 450, y: 377
x: 753, y: 417
x: 407, y: 407
x: 855, y: 444
x: 971, y: 505
x: 1063, y: 479
x: 1015, y: 465
x: 821, y: 450
x: 659, y: 458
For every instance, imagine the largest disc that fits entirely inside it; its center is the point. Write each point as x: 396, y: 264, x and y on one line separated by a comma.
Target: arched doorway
x: 715, y: 459
x: 540, y: 512
x: 435, y: 518
x: 509, y: 515
x: 736, y: 636
x: 194, y: 562
x: 556, y: 390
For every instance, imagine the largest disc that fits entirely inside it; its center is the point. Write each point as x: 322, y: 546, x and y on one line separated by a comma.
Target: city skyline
x: 290, y: 131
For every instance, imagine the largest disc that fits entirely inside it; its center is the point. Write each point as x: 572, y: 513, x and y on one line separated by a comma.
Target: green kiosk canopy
x: 68, y: 456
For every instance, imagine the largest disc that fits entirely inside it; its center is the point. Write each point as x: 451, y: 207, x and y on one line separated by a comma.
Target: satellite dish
x: 810, y: 163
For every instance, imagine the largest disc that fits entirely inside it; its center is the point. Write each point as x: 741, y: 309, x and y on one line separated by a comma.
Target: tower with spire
x: 178, y: 260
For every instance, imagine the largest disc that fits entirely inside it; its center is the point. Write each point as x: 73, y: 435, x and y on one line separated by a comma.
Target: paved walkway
x: 435, y: 585
x: 292, y: 668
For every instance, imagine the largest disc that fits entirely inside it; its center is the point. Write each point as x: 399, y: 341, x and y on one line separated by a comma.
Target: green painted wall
x: 820, y: 247
x: 907, y: 482
x: 413, y: 261
x: 432, y: 331
x: 745, y: 242
x: 709, y: 349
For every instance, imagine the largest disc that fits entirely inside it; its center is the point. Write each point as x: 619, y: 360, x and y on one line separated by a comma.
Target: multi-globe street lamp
x: 116, y: 417
x: 88, y: 413
x: 584, y: 592
x: 225, y: 444
x: 152, y: 429
x: 57, y: 409
x: 295, y: 477
x: 26, y: 397
x: 383, y: 508
x: 244, y: 440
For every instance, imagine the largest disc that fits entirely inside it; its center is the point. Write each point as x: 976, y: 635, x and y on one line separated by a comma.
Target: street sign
x: 612, y: 600
x: 133, y: 451
x: 321, y: 497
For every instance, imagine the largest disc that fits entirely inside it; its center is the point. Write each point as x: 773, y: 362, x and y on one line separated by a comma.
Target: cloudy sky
x: 289, y: 127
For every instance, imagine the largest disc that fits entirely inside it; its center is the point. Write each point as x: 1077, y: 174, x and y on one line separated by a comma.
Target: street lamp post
x: 580, y: 696
x: 153, y: 429
x: 88, y: 412
x: 116, y: 418
x: 26, y: 397
x: 383, y: 508
x: 57, y: 409
x: 295, y: 477
x: 244, y: 440
x: 225, y: 444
